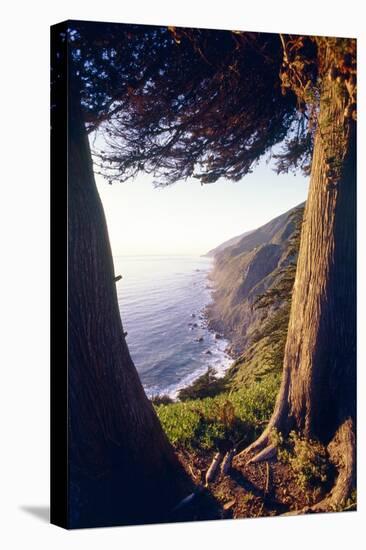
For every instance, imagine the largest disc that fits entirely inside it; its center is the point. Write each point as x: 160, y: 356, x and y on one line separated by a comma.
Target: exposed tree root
x: 342, y: 452
x: 258, y: 450
x: 255, y: 450
x: 267, y: 453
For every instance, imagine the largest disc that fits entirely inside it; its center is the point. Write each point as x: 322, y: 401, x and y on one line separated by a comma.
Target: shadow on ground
x: 40, y: 512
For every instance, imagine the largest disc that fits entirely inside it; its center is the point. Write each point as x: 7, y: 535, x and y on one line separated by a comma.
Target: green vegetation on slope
x: 254, y: 278
x: 207, y: 385
x: 234, y: 409
x: 264, y: 356
x: 308, y: 459
x: 230, y: 416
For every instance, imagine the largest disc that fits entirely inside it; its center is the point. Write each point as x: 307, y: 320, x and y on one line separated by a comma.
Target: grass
x: 230, y: 416
x: 236, y: 407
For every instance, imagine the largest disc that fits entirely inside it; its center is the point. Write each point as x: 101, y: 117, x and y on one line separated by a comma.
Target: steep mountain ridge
x: 248, y: 269
x: 255, y: 237
x: 226, y: 244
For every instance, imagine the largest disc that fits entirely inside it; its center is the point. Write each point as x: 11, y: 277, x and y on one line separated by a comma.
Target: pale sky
x: 187, y: 218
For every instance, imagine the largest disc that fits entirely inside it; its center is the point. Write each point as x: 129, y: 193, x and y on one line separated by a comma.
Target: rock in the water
x: 208, y: 352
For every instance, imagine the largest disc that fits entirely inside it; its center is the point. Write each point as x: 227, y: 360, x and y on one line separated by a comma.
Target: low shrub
x: 308, y: 459
x: 161, y: 399
x: 207, y: 385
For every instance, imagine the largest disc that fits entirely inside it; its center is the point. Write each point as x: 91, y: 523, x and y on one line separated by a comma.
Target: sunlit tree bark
x: 122, y: 467
x: 318, y: 392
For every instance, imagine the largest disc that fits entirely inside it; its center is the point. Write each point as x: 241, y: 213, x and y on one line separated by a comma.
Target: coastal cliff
x: 253, y: 278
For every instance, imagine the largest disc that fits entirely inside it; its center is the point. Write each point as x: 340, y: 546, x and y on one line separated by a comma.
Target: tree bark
x: 122, y: 468
x: 318, y: 392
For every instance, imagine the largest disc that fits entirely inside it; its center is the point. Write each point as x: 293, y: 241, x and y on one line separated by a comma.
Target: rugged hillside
x: 226, y: 244
x: 253, y: 281
x: 250, y: 239
x: 214, y: 416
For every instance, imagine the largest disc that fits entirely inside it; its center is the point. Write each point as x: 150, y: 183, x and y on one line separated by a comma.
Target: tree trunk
x: 122, y: 468
x: 318, y: 391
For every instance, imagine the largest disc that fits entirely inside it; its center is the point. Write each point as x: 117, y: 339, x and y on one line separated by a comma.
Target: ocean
x: 161, y: 300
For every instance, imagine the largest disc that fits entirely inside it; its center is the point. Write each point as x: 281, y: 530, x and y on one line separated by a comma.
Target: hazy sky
x: 188, y: 218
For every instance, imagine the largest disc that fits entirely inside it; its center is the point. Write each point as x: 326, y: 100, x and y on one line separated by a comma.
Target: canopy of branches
x: 178, y: 102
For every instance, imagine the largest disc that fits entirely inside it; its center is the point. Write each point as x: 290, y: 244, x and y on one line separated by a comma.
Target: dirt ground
x: 247, y: 491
